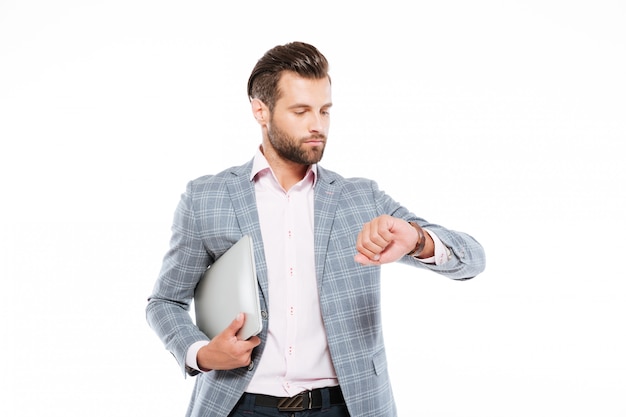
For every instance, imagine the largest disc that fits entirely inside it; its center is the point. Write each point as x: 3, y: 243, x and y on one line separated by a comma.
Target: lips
x: 316, y: 140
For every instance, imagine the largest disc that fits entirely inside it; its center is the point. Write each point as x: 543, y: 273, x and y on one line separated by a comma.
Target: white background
x: 499, y: 118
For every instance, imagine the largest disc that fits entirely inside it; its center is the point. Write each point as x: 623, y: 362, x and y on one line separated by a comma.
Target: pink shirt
x: 296, y: 356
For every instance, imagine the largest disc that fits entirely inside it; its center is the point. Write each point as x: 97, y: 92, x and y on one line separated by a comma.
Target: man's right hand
x: 226, y: 350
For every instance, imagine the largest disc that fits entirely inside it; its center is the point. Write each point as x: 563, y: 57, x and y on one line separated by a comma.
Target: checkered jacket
x: 217, y: 210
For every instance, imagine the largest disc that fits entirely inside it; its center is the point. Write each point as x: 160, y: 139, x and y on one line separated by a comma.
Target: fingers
x: 384, y: 239
x: 226, y: 350
x: 374, y: 239
x: 368, y: 252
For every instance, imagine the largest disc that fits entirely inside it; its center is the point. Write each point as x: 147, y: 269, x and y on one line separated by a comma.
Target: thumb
x: 364, y: 260
x: 236, y: 324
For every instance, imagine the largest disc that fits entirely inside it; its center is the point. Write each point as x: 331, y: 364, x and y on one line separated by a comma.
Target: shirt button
x: 251, y: 366
x: 263, y: 314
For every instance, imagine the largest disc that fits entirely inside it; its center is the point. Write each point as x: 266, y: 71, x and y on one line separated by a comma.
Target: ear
x: 260, y: 111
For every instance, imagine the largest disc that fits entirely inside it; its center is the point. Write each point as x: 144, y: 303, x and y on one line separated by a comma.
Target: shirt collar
x: 260, y: 164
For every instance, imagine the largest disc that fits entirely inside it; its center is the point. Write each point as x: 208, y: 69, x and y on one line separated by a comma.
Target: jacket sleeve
x: 466, y: 256
x: 168, y: 307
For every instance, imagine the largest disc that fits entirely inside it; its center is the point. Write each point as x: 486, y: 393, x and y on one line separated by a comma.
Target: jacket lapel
x: 242, y: 196
x: 327, y: 193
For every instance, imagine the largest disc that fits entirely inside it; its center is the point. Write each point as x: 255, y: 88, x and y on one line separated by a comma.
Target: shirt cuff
x: 442, y: 253
x: 192, y: 354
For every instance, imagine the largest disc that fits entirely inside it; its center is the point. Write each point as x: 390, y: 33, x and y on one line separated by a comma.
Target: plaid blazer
x: 217, y: 210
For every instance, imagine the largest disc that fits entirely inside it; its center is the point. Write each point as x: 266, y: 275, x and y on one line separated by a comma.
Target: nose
x: 317, y: 123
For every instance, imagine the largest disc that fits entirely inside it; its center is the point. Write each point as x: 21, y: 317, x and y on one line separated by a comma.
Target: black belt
x: 306, y: 400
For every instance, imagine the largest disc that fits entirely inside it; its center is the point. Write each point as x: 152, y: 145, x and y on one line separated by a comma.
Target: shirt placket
x: 291, y: 291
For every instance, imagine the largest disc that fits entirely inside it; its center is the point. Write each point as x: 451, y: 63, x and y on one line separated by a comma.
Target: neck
x: 287, y: 173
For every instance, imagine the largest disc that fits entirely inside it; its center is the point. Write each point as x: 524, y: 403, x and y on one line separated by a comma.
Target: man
x: 319, y: 242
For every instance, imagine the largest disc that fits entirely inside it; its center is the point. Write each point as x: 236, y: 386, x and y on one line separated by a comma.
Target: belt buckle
x: 299, y: 402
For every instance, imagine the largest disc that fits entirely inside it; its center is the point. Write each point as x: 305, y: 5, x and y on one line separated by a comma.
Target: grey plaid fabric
x: 215, y: 211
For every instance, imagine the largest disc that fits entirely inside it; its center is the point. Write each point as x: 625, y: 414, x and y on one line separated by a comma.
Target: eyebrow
x: 302, y: 105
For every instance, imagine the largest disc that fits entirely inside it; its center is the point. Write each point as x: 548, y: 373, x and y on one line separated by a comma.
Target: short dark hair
x: 298, y: 57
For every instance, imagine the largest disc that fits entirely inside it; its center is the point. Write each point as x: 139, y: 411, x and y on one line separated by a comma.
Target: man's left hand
x: 383, y: 240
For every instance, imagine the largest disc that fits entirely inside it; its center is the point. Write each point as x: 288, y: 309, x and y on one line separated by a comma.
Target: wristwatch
x: 421, y: 241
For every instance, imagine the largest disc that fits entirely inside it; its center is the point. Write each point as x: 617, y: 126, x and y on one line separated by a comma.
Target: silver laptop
x: 229, y: 287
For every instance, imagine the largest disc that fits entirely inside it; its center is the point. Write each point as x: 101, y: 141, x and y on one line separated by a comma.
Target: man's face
x: 300, y: 121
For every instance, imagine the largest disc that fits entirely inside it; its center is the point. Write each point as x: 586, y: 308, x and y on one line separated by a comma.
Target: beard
x: 293, y: 149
